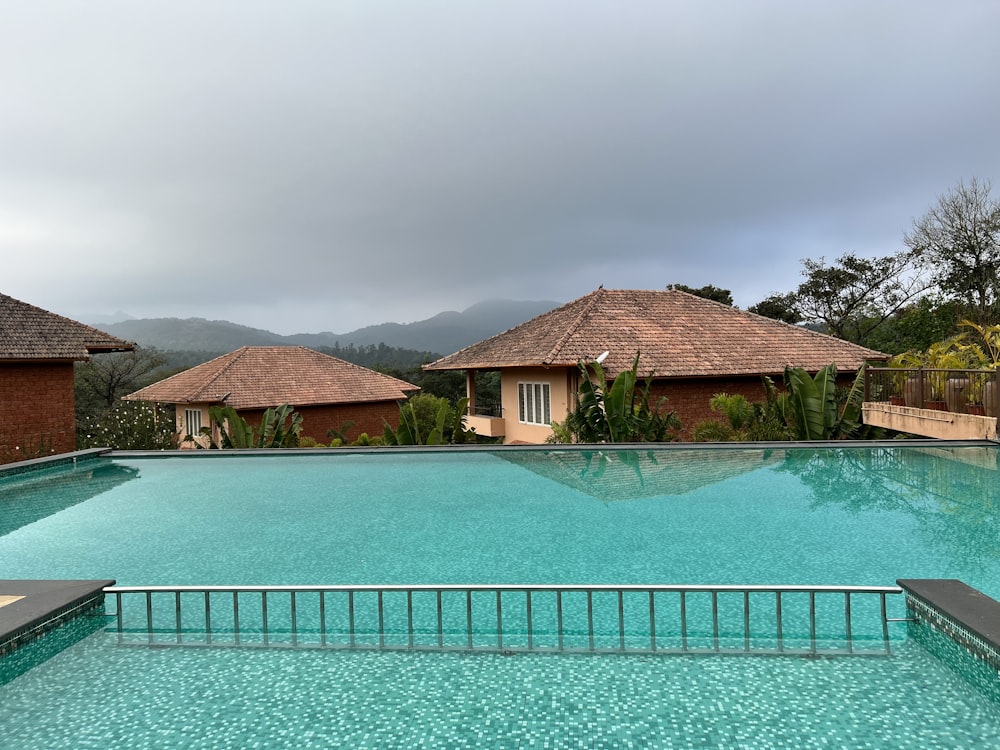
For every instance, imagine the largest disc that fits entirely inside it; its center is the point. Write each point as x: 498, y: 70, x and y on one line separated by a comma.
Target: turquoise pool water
x: 807, y: 516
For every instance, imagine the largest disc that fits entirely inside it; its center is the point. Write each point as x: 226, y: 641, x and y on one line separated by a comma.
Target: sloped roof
x: 31, y: 333
x: 678, y: 335
x: 259, y: 377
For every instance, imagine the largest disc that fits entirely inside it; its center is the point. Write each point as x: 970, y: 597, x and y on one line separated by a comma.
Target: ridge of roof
x: 588, y: 305
x: 234, y: 357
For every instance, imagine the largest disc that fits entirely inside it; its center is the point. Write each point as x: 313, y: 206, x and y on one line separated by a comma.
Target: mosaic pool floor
x: 99, y: 695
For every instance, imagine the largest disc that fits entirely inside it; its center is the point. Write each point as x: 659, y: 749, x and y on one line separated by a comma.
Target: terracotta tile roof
x: 31, y: 333
x: 258, y: 377
x: 678, y: 335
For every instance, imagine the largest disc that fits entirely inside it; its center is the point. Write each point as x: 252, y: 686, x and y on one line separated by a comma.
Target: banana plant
x: 235, y: 432
x: 813, y: 401
x: 621, y: 413
x: 813, y: 408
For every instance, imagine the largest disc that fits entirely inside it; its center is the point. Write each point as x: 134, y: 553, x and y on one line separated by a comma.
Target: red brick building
x: 693, y: 347
x: 37, y: 352
x: 328, y: 392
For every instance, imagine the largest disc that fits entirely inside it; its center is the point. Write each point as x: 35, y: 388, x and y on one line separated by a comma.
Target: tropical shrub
x: 279, y: 428
x: 429, y: 420
x: 810, y: 408
x: 619, y: 413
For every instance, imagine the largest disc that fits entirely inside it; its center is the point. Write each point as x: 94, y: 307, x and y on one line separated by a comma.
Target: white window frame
x: 192, y: 418
x: 534, y: 403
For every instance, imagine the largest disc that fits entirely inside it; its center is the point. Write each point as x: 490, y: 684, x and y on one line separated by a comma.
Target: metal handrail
x: 961, y: 391
x: 700, y: 618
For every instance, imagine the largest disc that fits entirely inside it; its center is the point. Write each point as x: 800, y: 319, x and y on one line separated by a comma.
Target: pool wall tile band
x: 45, y: 606
x: 34, y: 464
x: 969, y: 622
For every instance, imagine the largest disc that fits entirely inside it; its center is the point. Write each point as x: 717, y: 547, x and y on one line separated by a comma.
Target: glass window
x: 192, y: 422
x: 534, y: 403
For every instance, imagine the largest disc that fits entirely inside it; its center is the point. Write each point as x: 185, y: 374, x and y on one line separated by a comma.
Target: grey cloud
x: 327, y: 165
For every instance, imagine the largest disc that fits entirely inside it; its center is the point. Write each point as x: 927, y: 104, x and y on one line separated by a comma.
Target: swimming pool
x: 820, y: 515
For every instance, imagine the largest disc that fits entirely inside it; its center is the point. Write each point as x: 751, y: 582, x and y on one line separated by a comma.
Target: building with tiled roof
x: 328, y: 392
x: 37, y: 352
x: 693, y: 348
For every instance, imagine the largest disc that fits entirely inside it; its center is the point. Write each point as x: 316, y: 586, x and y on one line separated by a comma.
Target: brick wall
x: 36, y: 410
x: 690, y: 398
x: 317, y: 420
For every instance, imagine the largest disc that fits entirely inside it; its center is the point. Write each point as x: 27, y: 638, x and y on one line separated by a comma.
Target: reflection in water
x: 614, y: 475
x: 32, y: 496
x: 952, y: 493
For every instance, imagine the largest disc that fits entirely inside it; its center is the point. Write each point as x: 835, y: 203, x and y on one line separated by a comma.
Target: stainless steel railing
x: 685, y: 619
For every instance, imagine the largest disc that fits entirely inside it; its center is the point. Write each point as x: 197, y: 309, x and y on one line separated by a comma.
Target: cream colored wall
x: 931, y: 423
x: 558, y: 380
x: 181, y: 408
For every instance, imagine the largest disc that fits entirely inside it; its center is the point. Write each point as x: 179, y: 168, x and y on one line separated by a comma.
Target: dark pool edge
x: 34, y: 464
x: 46, y: 605
x: 965, y: 616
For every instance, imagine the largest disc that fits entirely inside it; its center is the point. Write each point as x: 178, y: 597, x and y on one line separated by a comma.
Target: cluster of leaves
x: 620, y: 413
x: 709, y: 291
x: 810, y: 408
x: 129, y: 425
x: 279, y: 428
x: 430, y: 420
x: 907, y: 300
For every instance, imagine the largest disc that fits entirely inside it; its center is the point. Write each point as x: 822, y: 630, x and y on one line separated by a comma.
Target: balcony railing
x: 485, y: 409
x: 959, y: 391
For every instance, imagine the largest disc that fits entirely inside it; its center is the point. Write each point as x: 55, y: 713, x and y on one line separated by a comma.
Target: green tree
x: 852, y: 297
x: 959, y: 241
x: 100, y: 382
x: 917, y: 326
x: 714, y: 293
x: 779, y: 307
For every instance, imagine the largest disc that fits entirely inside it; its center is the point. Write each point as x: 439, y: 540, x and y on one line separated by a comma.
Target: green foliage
x: 853, y: 296
x: 429, y: 420
x: 812, y: 401
x: 279, y: 428
x: 105, y: 378
x: 779, y: 307
x: 764, y: 421
x: 985, y: 352
x: 130, y: 425
x: 714, y: 293
x: 621, y: 413
x: 341, y: 434
x: 380, y: 357
x: 917, y: 326
x: 810, y: 408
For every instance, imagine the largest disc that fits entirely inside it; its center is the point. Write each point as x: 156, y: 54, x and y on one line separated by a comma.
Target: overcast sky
x: 307, y: 166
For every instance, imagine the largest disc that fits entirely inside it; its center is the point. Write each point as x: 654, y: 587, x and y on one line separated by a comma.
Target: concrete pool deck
x: 29, y: 608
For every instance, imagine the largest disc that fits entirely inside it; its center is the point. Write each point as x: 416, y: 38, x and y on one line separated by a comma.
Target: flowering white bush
x: 130, y: 425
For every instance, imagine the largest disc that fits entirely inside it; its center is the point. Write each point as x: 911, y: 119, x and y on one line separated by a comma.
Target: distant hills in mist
x: 443, y: 333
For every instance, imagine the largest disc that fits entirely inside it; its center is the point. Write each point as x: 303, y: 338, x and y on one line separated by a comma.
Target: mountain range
x: 443, y: 333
